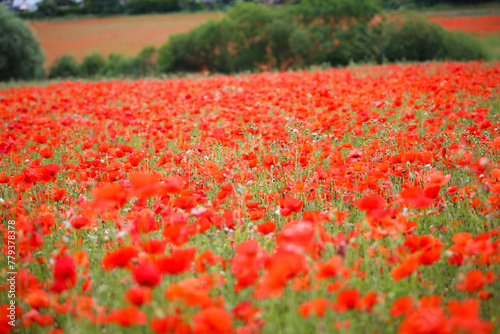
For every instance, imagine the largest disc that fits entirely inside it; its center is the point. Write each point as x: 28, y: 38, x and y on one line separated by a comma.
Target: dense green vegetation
x: 312, y: 32
x: 20, y: 54
x: 115, y: 66
x: 254, y: 37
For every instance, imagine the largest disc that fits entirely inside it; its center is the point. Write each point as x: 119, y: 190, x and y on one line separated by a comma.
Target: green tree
x: 20, y: 54
x: 64, y: 67
x: 104, y: 6
x: 92, y: 64
x: 47, y: 8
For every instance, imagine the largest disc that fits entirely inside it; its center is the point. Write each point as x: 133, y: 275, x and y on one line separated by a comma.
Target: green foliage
x: 73, y: 10
x: 336, y: 10
x: 279, y: 49
x: 151, y: 6
x: 20, y: 54
x: 105, y: 7
x: 64, y: 67
x: 336, y: 32
x: 115, y: 65
x: 418, y: 40
x: 47, y: 8
x: 301, y: 46
x: 145, y: 62
x: 166, y: 57
x: 254, y: 36
x: 92, y: 64
x: 177, y: 55
x: 461, y: 46
x: 250, y: 16
x: 249, y: 36
x: 119, y: 65
x: 251, y: 21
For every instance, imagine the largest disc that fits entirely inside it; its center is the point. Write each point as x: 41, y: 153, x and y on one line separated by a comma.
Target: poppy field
x: 481, y: 26
x: 356, y: 200
x: 124, y: 34
x: 129, y: 34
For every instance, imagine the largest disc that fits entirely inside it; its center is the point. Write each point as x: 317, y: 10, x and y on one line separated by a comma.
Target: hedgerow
x: 338, y: 32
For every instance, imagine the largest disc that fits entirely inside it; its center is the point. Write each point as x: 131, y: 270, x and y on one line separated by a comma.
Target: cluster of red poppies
x: 362, y: 199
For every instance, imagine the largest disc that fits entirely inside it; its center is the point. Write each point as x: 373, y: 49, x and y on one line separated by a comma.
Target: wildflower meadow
x: 355, y: 200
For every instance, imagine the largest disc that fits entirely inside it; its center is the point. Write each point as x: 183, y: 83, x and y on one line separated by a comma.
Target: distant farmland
x: 129, y: 34
x: 126, y: 34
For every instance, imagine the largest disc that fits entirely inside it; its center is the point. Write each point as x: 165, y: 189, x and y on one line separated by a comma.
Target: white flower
x: 198, y: 211
x: 67, y: 224
x: 121, y: 234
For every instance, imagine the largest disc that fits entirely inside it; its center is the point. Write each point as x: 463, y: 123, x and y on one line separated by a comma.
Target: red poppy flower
x: 138, y: 295
x: 126, y: 317
x: 416, y: 198
x: 79, y: 222
x: 119, y: 257
x: 185, y: 202
x: 266, y: 227
x: 402, y: 306
x: 213, y: 320
x: 474, y: 281
x: 147, y: 274
x: 346, y: 300
x: 178, y: 262
x: 64, y: 274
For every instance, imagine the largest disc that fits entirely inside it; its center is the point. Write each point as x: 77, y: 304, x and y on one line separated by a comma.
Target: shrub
x: 177, y: 55
x: 150, y: 6
x: 356, y: 44
x: 301, y: 46
x: 144, y: 63
x: 166, y: 58
x: 92, y: 64
x: 279, y: 50
x: 73, y: 10
x: 336, y: 10
x: 105, y: 7
x: 251, y: 21
x: 461, y: 46
x: 119, y: 65
x: 212, y: 46
x: 64, y: 67
x: 20, y: 54
x: 47, y: 8
x: 194, y: 6
x: 255, y: 36
x: 216, y: 45
x: 250, y: 36
x: 418, y: 40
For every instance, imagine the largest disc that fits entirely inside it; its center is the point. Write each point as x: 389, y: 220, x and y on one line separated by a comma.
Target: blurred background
x: 141, y: 38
